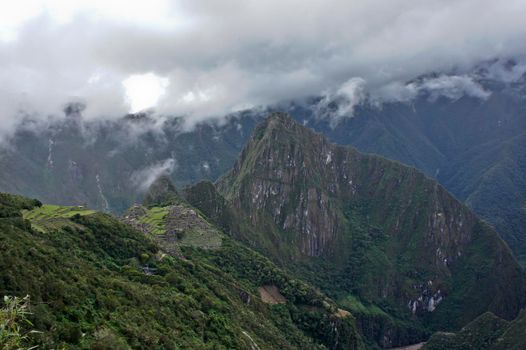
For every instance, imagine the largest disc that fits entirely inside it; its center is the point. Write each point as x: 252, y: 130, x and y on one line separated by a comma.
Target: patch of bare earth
x: 342, y: 313
x: 271, y: 295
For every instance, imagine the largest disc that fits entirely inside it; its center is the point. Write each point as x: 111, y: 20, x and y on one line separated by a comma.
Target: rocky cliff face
x: 300, y: 182
x: 275, y: 178
x: 380, y: 230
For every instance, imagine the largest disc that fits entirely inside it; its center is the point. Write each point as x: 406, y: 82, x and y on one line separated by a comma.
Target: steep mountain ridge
x: 361, y: 224
x: 161, y: 192
x: 474, y: 147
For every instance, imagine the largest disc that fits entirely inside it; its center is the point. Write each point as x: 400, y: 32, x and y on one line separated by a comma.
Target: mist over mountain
x: 325, y: 175
x: 471, y: 142
x: 203, y: 61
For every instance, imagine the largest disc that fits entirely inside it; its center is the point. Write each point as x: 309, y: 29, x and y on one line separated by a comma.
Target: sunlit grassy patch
x: 50, y: 216
x: 155, y: 218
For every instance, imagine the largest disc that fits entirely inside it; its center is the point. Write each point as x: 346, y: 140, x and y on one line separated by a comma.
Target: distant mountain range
x: 472, y: 143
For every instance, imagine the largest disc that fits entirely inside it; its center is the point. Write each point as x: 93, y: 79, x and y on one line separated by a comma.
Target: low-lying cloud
x: 338, y: 104
x: 452, y: 87
x: 142, y: 179
x: 341, y: 103
x: 214, y: 58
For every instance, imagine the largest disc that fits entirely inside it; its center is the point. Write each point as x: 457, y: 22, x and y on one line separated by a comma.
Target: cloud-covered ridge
x: 208, y: 59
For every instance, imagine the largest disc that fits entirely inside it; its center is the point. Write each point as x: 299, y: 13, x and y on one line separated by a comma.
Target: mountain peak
x: 276, y: 121
x: 280, y: 118
x: 376, y: 223
x: 162, y: 192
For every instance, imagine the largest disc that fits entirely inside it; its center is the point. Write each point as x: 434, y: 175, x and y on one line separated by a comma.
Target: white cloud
x: 220, y: 57
x: 340, y: 103
x: 144, y: 90
x: 151, y: 13
x: 452, y: 87
x: 503, y: 70
x: 143, y: 178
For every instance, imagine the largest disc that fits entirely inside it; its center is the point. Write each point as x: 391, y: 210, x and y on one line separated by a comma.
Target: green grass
x: 210, y: 238
x: 353, y: 304
x: 156, y: 219
x: 49, y: 211
x: 48, y: 217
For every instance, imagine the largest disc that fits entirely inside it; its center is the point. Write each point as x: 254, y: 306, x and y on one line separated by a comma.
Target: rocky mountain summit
x: 360, y: 224
x: 161, y: 192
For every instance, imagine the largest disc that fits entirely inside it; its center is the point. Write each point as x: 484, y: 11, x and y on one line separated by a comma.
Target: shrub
x: 13, y: 316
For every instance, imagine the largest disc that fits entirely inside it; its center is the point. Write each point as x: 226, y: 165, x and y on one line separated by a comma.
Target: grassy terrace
x: 209, y: 238
x: 50, y: 216
x: 156, y: 219
x: 199, y: 234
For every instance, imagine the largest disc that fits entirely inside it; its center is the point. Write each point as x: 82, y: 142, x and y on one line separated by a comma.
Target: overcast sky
x: 207, y: 58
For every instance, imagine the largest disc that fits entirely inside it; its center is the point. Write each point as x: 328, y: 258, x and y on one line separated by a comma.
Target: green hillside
x: 487, y: 332
x: 95, y: 283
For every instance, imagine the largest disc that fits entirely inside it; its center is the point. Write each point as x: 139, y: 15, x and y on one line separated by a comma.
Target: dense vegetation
x: 96, y: 283
x: 309, y: 309
x: 487, y: 332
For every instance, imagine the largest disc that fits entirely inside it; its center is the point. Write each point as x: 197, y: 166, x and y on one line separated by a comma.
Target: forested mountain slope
x: 362, y: 226
x: 95, y: 283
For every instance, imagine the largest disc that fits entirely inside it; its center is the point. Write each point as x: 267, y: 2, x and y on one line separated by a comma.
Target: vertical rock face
x: 299, y: 181
x: 277, y: 179
x: 384, y: 230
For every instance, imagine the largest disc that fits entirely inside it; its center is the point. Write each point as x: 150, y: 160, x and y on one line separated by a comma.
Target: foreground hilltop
x: 95, y: 283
